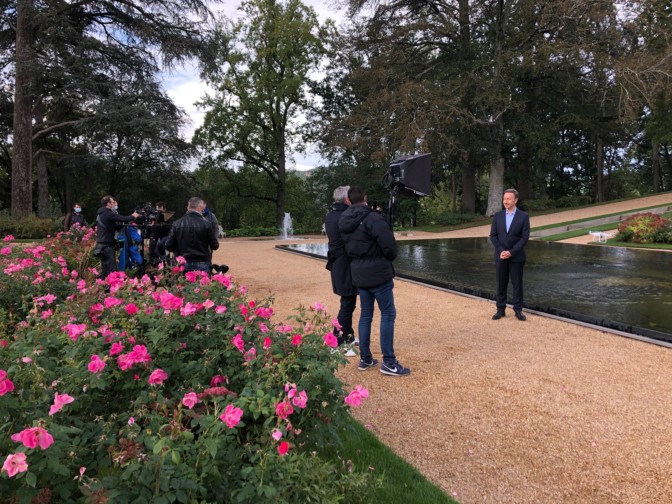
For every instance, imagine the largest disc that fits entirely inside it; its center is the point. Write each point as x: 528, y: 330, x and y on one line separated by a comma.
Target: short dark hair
x: 106, y: 200
x: 356, y: 195
x: 160, y: 204
x: 512, y: 191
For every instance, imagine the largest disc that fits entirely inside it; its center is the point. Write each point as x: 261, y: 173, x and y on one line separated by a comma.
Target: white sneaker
x: 350, y: 353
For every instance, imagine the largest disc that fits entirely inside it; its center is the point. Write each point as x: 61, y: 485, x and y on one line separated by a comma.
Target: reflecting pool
x: 625, y: 289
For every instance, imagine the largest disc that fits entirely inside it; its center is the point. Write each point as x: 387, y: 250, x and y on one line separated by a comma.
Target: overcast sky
x: 185, y: 87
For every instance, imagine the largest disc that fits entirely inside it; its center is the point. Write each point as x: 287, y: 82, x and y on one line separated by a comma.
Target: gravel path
x: 541, y: 411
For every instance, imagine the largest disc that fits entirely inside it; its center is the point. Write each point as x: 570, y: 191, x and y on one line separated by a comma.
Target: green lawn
x: 401, y: 482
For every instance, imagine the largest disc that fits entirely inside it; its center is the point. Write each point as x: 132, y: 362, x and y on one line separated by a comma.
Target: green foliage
x: 28, y: 227
x: 252, y: 232
x: 573, y: 201
x: 645, y: 228
x: 182, y: 388
x: 453, y: 219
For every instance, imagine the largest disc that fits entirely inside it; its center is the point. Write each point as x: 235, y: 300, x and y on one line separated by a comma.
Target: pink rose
x: 217, y: 379
x: 231, y: 416
x: 15, y: 463
x: 354, y: 399
x: 60, y: 400
x: 300, y: 400
x: 238, y: 342
x: 284, y: 409
x: 276, y: 434
x: 6, y: 384
x: 330, y: 340
x: 32, y: 437
x: 131, y: 309
x: 297, y: 339
x: 267, y: 343
x: 157, y: 377
x: 96, y: 365
x: 190, y: 399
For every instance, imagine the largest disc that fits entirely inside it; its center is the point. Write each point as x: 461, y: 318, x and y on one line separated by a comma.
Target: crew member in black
x: 107, y: 222
x: 193, y: 237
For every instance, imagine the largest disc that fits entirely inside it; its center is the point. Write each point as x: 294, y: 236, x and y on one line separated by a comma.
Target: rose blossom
x: 355, y: 397
x: 15, y: 463
x: 284, y: 409
x: 60, y: 400
x: 96, y: 365
x: 6, y: 384
x: 231, y: 416
x: 330, y: 340
x: 190, y: 399
x: 157, y: 377
x: 32, y: 437
x: 283, y: 448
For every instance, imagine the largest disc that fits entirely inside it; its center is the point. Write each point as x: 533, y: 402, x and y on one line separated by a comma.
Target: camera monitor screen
x: 413, y: 172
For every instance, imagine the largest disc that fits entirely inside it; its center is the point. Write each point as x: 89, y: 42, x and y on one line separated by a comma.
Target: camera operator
x: 158, y: 232
x: 107, y: 222
x: 193, y: 237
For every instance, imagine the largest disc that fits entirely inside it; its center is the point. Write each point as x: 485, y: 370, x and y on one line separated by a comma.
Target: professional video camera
x: 148, y: 215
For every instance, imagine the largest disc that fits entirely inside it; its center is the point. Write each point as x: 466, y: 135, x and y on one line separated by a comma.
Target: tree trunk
x: 655, y: 165
x: 280, y: 182
x: 468, y: 184
x: 22, y: 144
x: 42, y: 175
x: 43, y: 209
x: 496, y: 185
x: 599, y: 165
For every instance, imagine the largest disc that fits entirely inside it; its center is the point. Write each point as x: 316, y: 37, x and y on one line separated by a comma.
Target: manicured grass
x: 576, y: 232
x: 655, y: 246
x: 401, y: 482
x: 560, y: 224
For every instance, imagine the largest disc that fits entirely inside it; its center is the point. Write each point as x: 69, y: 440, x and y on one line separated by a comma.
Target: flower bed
x: 166, y: 388
x: 645, y: 228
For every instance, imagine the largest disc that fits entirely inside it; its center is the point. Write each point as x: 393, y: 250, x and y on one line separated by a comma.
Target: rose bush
x: 169, y: 388
x: 645, y: 228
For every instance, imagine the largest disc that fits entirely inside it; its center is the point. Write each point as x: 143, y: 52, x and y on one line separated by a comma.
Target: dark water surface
x: 625, y: 289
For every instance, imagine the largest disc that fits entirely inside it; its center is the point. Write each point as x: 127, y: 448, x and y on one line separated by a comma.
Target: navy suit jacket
x: 515, y: 240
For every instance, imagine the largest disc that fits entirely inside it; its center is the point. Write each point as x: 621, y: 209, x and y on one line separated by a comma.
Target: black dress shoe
x: 498, y: 315
x: 520, y: 316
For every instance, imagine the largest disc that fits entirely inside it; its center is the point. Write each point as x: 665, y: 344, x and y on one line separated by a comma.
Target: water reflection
x: 616, y: 287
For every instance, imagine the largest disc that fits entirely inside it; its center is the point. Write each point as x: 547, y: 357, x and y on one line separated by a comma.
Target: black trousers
x: 514, y: 271
x: 108, y: 261
x: 348, y: 305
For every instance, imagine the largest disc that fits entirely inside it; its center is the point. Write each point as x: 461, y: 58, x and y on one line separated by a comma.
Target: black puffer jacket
x: 370, y: 244
x: 193, y: 237
x: 107, y: 222
x: 337, y: 260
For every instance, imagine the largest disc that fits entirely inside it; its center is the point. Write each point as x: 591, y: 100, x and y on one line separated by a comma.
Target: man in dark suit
x: 509, y: 234
x: 338, y: 264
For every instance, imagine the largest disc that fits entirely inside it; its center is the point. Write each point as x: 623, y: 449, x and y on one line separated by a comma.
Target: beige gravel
x: 541, y: 411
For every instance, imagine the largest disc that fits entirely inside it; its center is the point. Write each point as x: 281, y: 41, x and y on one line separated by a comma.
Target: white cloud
x: 185, y: 87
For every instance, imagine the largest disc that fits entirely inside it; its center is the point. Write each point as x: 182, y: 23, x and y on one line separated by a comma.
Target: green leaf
x: 31, y: 479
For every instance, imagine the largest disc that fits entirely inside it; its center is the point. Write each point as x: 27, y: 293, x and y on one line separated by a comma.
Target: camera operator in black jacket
x: 107, y: 223
x: 193, y: 237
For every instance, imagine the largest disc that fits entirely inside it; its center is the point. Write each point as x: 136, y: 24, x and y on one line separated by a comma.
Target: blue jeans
x: 385, y: 297
x: 198, y: 266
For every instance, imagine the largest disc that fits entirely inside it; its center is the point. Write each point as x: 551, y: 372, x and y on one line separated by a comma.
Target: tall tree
x: 73, y: 49
x: 260, y: 69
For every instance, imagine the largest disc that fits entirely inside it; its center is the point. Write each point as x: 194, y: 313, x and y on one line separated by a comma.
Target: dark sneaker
x: 394, y: 369
x: 364, y: 365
